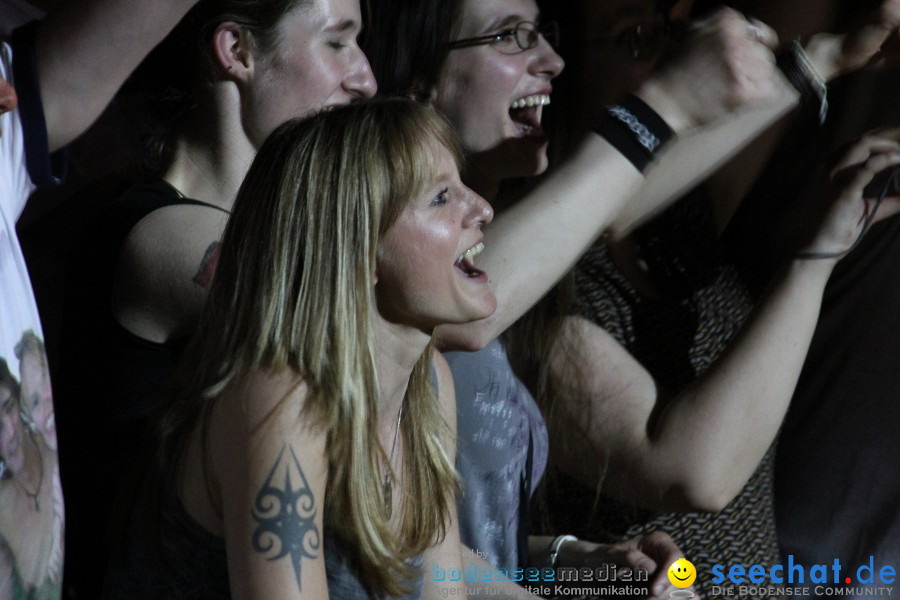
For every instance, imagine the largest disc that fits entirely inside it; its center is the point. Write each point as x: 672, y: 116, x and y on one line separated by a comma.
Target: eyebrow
x: 443, y: 178
x: 508, y: 22
x: 342, y: 26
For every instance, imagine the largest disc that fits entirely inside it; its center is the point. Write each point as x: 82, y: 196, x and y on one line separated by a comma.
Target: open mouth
x: 526, y: 113
x: 466, y: 261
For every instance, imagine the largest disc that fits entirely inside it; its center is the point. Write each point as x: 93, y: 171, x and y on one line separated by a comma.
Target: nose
x: 8, y: 99
x: 546, y: 61
x: 360, y: 81
x: 480, y: 211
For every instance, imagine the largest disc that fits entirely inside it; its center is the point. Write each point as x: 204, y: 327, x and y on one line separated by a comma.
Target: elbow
x: 706, y: 500
x: 701, y: 491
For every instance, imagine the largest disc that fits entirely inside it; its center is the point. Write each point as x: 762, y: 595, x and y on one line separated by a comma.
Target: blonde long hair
x: 294, y: 289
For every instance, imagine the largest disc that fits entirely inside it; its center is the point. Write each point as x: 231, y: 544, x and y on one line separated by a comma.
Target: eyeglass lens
x: 528, y: 34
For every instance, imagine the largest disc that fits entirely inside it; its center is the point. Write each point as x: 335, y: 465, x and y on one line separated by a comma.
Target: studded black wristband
x: 635, y: 130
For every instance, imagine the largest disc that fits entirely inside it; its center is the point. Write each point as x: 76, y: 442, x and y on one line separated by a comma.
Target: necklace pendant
x: 387, y: 492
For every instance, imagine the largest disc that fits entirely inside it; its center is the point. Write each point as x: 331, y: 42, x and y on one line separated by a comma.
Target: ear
x: 232, y: 52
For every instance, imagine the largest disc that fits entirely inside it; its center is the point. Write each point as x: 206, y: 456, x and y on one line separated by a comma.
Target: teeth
x: 529, y: 101
x: 471, y: 253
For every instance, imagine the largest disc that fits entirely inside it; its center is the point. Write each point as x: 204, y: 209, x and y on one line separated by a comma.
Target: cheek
x: 414, y: 254
x: 475, y: 97
x: 292, y: 88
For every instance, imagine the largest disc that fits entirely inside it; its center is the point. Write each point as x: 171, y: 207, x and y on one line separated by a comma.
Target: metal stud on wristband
x: 635, y: 130
x: 556, y: 545
x: 802, y: 74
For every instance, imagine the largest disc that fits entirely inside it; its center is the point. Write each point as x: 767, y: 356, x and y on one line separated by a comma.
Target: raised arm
x: 86, y: 49
x: 531, y: 245
x: 695, y: 156
x: 695, y: 451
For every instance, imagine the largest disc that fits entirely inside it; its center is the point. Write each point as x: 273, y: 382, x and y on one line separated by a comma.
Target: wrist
x: 824, y: 51
x: 556, y: 546
x: 802, y: 73
x: 636, y: 130
x: 818, y: 268
x: 657, y: 97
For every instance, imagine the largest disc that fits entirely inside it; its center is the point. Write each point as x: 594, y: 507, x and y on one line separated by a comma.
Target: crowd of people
x: 367, y: 310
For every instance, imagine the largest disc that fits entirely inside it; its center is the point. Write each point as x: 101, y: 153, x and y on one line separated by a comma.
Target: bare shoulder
x: 269, y: 468
x: 267, y: 403
x: 164, y: 270
x: 253, y: 425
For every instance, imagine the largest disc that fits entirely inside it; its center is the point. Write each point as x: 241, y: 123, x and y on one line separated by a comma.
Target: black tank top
x: 108, y: 379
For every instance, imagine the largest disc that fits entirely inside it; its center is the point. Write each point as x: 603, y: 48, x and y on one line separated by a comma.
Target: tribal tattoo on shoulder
x: 285, y: 513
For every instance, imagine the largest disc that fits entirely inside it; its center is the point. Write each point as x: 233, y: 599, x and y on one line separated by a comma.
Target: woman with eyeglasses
x: 696, y: 405
x: 488, y: 66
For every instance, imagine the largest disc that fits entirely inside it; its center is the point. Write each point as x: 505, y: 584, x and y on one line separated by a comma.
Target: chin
x: 484, y: 309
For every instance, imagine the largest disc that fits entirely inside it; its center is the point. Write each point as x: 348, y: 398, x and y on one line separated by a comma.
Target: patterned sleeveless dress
x: 700, y: 305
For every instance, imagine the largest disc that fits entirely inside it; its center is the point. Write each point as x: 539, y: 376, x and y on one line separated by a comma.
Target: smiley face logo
x: 682, y: 573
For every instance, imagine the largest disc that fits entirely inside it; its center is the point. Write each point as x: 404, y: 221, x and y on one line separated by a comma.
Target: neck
x: 397, y: 350
x: 213, y: 156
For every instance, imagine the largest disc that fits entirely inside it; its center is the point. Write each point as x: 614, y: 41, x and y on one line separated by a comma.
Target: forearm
x: 86, y: 50
x: 698, y: 153
x: 693, y: 157
x: 709, y: 439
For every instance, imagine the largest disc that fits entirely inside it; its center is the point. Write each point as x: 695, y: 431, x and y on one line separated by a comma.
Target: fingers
x: 850, y: 215
x: 726, y: 63
x: 861, y: 150
x: 763, y: 34
x: 746, y: 53
x: 872, y: 166
x: 661, y: 548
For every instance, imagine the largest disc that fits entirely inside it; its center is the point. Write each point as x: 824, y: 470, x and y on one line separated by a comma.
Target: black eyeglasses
x: 524, y: 36
x: 644, y: 40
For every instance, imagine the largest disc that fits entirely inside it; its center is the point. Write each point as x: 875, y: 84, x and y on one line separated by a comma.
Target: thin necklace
x: 387, y: 486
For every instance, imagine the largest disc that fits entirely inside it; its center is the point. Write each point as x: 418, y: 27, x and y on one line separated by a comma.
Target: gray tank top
x: 502, y: 449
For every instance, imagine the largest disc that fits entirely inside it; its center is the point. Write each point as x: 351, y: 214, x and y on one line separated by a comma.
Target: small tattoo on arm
x: 285, y: 513
x: 204, y: 275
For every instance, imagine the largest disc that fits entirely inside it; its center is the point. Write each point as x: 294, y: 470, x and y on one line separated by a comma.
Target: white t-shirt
x: 31, y: 512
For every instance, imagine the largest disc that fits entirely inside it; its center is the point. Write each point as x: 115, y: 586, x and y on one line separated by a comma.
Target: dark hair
x: 406, y: 43
x: 174, y: 75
